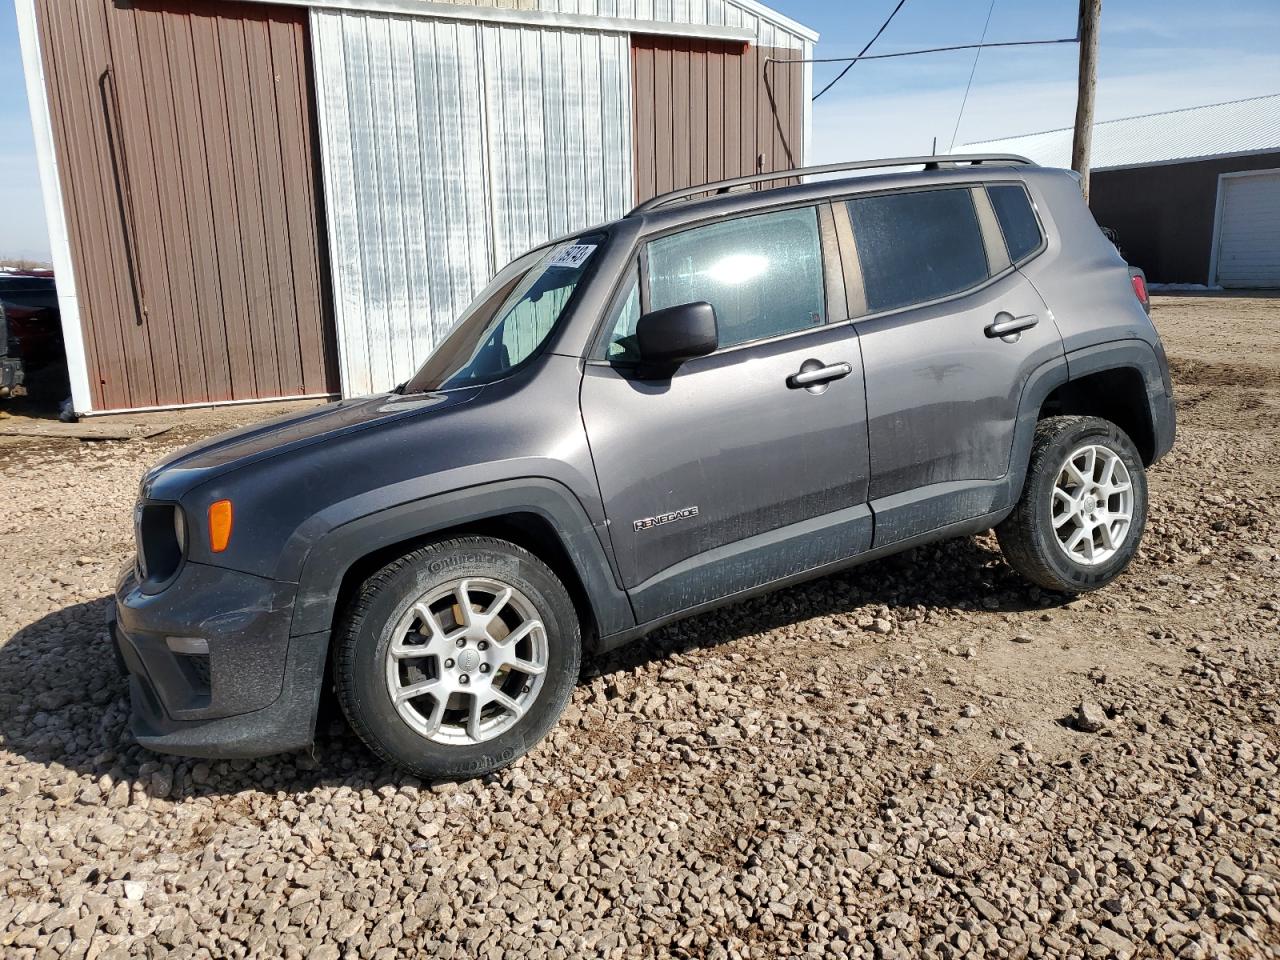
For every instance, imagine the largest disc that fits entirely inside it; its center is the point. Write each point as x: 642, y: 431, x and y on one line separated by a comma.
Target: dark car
x: 706, y: 399
x: 30, y: 329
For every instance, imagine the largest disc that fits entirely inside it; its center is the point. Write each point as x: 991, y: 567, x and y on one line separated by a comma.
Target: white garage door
x: 1249, y: 230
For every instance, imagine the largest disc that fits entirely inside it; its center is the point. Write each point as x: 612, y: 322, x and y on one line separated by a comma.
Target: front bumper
x: 256, y: 690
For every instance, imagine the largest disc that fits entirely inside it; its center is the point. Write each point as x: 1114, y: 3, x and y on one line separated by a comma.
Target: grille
x: 196, y: 667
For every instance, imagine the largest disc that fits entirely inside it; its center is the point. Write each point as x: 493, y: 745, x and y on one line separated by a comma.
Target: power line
x: 914, y: 53
x: 973, y: 70
x: 854, y: 60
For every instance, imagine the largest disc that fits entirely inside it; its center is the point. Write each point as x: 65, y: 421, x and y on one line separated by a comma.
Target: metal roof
x: 748, y: 21
x: 1218, y: 129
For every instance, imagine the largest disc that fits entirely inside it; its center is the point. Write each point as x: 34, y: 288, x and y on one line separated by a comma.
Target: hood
x: 225, y: 452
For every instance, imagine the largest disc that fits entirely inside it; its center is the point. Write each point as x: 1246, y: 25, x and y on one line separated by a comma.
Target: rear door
x: 950, y: 332
x: 730, y: 475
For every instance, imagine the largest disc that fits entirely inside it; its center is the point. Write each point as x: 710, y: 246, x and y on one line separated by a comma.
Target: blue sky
x: 1155, y: 55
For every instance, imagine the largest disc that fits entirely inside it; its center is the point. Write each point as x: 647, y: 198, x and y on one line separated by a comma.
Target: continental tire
x: 458, y: 657
x: 1083, y: 506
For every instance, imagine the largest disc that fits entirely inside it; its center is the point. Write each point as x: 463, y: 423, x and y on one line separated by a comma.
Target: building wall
x: 449, y: 148
x: 186, y: 165
x: 1163, y: 214
x: 186, y: 152
x: 707, y: 111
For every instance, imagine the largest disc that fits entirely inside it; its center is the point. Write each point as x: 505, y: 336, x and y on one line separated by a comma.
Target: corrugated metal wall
x: 449, y: 148
x: 559, y: 133
x: 707, y: 111
x: 185, y: 148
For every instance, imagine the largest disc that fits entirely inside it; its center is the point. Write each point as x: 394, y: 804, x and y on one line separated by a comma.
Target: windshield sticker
x: 573, y: 256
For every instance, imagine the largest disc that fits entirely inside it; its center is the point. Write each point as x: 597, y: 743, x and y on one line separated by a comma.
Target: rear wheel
x: 458, y: 657
x: 1083, y: 506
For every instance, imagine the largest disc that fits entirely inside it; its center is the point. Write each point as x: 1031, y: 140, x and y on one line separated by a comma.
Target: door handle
x: 1006, y: 324
x: 813, y: 373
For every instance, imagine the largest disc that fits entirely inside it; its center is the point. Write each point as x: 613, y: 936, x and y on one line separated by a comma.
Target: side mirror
x: 667, y: 338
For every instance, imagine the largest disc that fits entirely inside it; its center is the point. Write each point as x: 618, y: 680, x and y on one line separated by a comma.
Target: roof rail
x: 929, y: 163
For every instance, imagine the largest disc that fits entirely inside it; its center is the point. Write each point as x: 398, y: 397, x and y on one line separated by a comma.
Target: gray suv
x: 728, y: 390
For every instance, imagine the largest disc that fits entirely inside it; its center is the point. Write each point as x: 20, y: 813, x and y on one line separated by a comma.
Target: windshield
x: 510, y: 319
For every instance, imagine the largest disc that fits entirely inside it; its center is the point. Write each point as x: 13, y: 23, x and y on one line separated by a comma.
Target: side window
x: 918, y: 246
x: 1018, y: 221
x: 762, y: 273
x: 622, y: 340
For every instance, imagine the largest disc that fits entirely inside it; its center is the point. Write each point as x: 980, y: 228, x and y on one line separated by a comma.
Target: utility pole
x: 1090, y: 14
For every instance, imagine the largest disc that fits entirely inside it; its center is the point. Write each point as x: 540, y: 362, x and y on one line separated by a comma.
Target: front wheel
x: 1083, y: 506
x: 458, y: 657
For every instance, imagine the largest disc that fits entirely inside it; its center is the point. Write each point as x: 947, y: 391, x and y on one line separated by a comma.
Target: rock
x: 1089, y: 717
x: 764, y: 780
x: 1120, y: 947
x: 1228, y: 871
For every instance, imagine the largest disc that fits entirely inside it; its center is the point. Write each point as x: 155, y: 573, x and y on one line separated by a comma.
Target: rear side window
x: 763, y: 273
x: 1018, y: 221
x: 918, y: 246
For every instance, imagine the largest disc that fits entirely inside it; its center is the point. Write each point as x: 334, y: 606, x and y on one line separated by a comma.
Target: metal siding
x: 184, y: 135
x: 449, y: 149
x: 707, y: 110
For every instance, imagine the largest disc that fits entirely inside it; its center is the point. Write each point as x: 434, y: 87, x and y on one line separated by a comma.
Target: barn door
x: 705, y: 110
x: 185, y: 142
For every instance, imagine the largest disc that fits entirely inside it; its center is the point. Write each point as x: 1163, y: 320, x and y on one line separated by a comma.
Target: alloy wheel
x: 1092, y: 505
x: 466, y: 661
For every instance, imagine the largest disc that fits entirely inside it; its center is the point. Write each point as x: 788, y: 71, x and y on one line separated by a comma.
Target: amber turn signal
x: 219, y: 525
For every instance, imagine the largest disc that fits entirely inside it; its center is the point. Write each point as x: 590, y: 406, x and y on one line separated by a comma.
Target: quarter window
x: 763, y: 273
x: 1018, y: 221
x: 622, y: 341
x: 918, y: 246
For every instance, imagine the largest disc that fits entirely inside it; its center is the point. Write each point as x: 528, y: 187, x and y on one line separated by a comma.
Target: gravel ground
x: 922, y: 756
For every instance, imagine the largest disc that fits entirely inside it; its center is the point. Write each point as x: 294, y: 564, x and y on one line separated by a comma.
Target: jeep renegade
x: 733, y: 388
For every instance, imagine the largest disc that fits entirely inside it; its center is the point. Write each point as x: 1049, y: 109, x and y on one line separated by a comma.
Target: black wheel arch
x: 538, y: 514
x: 1124, y: 382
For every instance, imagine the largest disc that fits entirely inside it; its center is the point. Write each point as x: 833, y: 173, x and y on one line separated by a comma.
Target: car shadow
x: 64, y: 705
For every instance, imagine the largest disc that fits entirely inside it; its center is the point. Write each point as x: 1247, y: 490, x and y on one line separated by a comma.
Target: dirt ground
x: 880, y: 763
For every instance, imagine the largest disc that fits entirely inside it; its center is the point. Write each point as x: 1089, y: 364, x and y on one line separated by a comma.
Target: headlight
x: 161, y: 531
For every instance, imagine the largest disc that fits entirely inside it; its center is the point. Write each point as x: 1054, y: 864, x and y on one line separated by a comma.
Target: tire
x: 396, y: 639
x: 1052, y: 537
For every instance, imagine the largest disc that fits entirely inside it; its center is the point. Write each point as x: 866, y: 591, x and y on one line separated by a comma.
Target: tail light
x: 1140, y: 290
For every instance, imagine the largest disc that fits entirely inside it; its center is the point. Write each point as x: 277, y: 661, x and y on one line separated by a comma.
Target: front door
x: 732, y: 474
x: 950, y: 333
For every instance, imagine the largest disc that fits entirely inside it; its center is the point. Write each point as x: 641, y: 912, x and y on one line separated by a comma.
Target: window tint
x: 917, y: 246
x: 763, y: 274
x: 1017, y: 220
